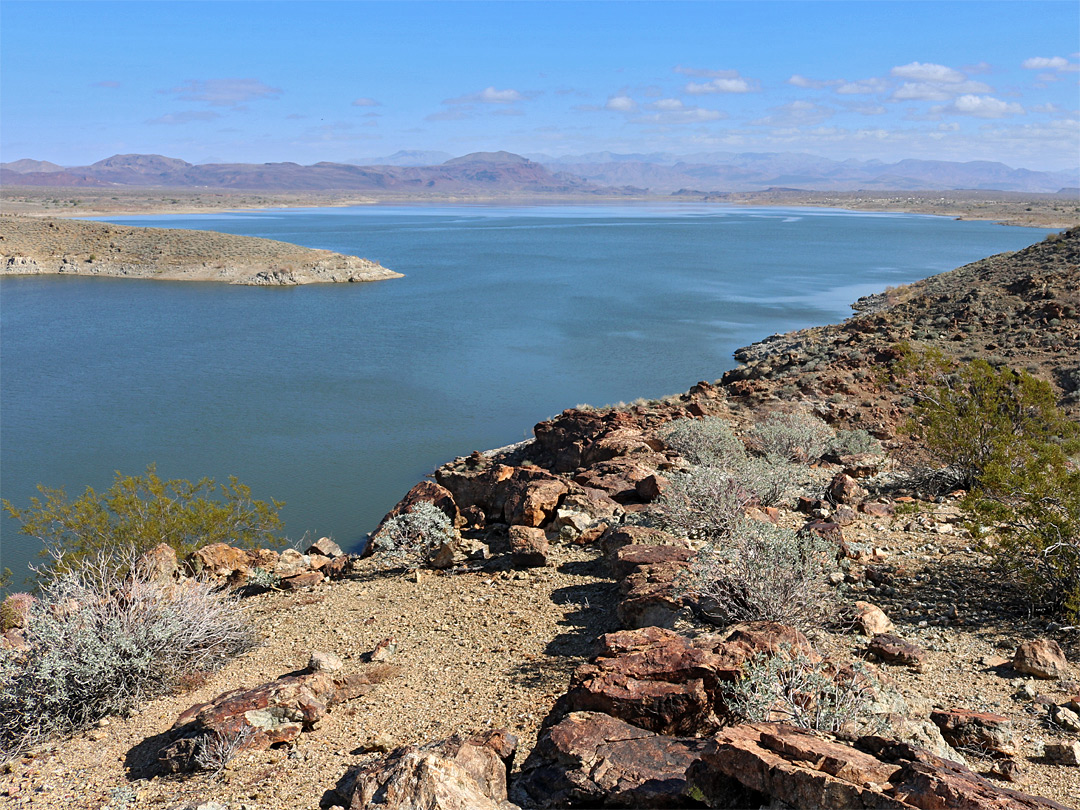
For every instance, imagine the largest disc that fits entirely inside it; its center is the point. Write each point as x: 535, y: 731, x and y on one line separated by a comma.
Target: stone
x: 844, y: 516
x: 876, y: 509
x: 845, y: 489
x: 324, y: 662
x: 761, y: 764
x: 220, y: 560
x: 1042, y: 658
x: 988, y: 733
x: 861, y: 465
x: 581, y: 438
x: 895, y: 650
x: 1065, y: 753
x: 265, y: 715
x: 652, y: 593
x: 290, y: 563
x: 298, y: 582
x: 528, y: 547
x: 459, y: 773
x: 383, y: 651
x: 593, y: 760
x: 1065, y: 717
x: 159, y: 564
x: 651, y: 487
x: 615, y: 537
x: 338, y: 567
x: 1009, y: 770
x: 829, y: 531
x: 629, y: 559
x: 326, y: 547
x: 619, y: 478
x: 533, y: 497
x: 871, y: 620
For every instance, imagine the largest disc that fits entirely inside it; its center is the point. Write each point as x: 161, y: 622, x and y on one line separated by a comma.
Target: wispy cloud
x: 106, y: 84
x: 673, y: 111
x: 366, y: 102
x: 727, y: 85
x: 927, y: 81
x: 489, y: 95
x: 621, y: 104
x: 927, y: 72
x: 185, y: 117
x: 1059, y: 63
x: 795, y: 114
x: 224, y: 92
x: 861, y: 87
x: 703, y: 73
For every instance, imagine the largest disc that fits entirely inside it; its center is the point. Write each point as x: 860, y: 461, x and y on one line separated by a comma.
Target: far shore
x: 1003, y: 207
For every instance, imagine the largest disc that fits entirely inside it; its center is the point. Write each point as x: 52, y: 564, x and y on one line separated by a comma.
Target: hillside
x: 67, y: 247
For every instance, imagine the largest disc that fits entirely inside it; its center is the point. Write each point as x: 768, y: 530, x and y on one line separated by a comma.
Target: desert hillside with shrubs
x: 845, y: 574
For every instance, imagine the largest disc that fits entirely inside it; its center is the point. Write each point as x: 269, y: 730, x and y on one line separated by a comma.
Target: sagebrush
x: 795, y: 436
x: 414, y: 539
x: 707, y: 441
x: 99, y: 644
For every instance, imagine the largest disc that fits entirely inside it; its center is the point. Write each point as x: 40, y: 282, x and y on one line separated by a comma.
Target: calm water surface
x: 338, y: 398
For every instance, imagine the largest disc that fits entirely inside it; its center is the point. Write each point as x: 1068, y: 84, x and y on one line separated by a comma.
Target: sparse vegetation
x: 707, y: 441
x: 414, y: 539
x: 854, y: 443
x: 100, y: 644
x: 139, y: 512
x: 795, y: 436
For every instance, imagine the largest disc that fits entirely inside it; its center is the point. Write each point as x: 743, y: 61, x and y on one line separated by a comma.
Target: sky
x: 343, y: 81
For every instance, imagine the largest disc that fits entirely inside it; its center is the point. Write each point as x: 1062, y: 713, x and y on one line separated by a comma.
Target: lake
x: 338, y: 398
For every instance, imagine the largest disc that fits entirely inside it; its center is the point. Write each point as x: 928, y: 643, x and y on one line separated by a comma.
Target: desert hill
x: 68, y: 247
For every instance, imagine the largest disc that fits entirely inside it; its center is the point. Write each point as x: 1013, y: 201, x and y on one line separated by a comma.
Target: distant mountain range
x: 604, y: 173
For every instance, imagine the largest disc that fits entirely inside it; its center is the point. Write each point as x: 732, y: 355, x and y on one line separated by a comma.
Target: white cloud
x: 489, y: 95
x: 802, y: 81
x: 621, y: 104
x: 861, y: 87
x: 927, y: 72
x: 982, y: 107
x: 224, y: 92
x: 1048, y: 108
x: 937, y: 91
x: 733, y: 85
x: 951, y: 126
x: 1047, y: 63
x: 366, y: 102
x: 795, y: 114
x: 666, y: 104
x: 673, y: 111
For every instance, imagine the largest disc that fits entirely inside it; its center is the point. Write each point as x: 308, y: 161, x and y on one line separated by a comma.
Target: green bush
x: 100, y: 644
x: 854, y: 443
x: 1006, y: 441
x: 139, y: 512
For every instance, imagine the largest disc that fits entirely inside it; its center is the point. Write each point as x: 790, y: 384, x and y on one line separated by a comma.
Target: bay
x: 337, y: 398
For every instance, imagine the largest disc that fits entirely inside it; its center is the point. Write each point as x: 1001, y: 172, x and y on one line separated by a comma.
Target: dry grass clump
x: 99, y: 645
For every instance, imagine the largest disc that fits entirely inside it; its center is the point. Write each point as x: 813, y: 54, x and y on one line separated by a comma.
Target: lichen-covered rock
x: 988, y: 733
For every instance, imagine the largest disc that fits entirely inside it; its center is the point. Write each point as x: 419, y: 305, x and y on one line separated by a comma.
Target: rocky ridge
x: 560, y: 622
x: 30, y: 246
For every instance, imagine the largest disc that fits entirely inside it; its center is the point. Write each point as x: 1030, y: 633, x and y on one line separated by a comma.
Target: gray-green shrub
x: 99, y: 645
x: 701, y: 503
x: 854, y: 443
x: 761, y: 572
x: 411, y: 540
x: 796, y: 436
x: 707, y: 441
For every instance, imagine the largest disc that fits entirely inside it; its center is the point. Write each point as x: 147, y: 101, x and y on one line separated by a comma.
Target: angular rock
x: 593, y: 502
x: 159, y: 564
x: 326, y: 547
x: 621, y: 535
x: 578, y: 438
x: 532, y: 497
x: 629, y: 559
x: 652, y: 595
x: 755, y: 764
x: 528, y: 547
x: 265, y: 715
x: 477, y: 481
x: 337, y: 567
x: 844, y: 516
x: 1066, y: 753
x: 1065, y: 717
x: 459, y: 773
x: 829, y: 531
x: 895, y: 650
x: 619, y: 478
x: 845, y: 489
x: 1042, y: 658
x: 290, y: 563
x: 220, y: 560
x: 298, y: 582
x: 861, y: 465
x: 650, y: 487
x: 870, y: 620
x: 989, y: 733
x: 875, y: 509
x: 592, y: 760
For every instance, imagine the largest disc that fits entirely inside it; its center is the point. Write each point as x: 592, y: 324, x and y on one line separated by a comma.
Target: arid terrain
x: 496, y: 640
x: 35, y: 246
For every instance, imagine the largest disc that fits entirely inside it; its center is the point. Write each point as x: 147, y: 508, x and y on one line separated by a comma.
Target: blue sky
x: 310, y: 81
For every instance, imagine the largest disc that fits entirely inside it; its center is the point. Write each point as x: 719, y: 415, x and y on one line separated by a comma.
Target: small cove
x: 337, y: 398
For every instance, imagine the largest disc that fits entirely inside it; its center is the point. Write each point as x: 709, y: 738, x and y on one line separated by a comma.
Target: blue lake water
x: 337, y: 398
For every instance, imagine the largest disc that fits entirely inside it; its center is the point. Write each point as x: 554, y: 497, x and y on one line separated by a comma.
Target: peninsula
x: 33, y: 246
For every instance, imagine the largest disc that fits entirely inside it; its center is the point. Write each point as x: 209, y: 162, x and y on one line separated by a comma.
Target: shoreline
x: 1018, y: 209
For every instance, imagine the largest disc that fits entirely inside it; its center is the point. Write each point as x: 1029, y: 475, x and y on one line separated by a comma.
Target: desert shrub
x: 854, y: 443
x: 790, y: 688
x: 701, y: 503
x: 795, y: 436
x: 707, y: 441
x: 99, y: 645
x: 762, y: 572
x: 768, y: 480
x: 15, y: 609
x: 139, y: 512
x: 1004, y: 439
x: 411, y: 540
x: 218, y: 748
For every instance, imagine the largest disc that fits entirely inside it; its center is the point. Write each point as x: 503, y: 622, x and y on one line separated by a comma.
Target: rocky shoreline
x: 31, y: 246
x: 556, y: 662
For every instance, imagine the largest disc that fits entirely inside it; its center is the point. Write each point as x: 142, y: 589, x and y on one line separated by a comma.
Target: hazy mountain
x: 482, y: 172
x: 27, y: 165
x: 752, y: 171
x: 405, y: 157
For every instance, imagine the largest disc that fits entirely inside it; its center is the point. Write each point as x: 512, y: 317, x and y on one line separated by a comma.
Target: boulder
x: 764, y: 763
x: 1042, y: 658
x: 528, y: 547
x: 593, y: 760
x: 894, y: 650
x: 615, y: 537
x: 580, y: 438
x: 220, y: 560
x: 325, y: 547
x: 290, y: 563
x: 988, y: 733
x: 650, y: 487
x: 476, y: 481
x: 631, y: 558
x: 159, y: 564
x: 459, y: 773
x: 532, y: 497
x: 1063, y: 753
x: 298, y: 582
x: 845, y: 489
x: 653, y: 592
x: 870, y: 620
x: 423, y: 492
x: 877, y: 509
x: 265, y: 715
